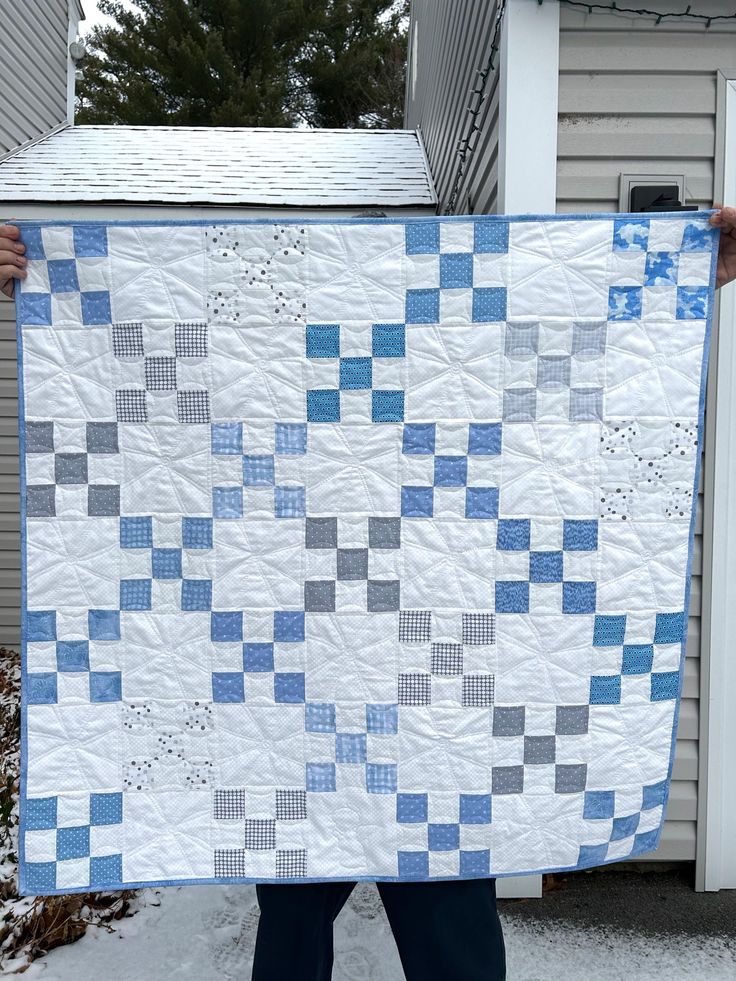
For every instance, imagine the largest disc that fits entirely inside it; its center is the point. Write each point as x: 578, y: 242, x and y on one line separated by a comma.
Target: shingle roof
x: 289, y: 167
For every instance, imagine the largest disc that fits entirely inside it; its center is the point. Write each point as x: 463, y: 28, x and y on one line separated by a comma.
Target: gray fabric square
x: 589, y: 338
x: 570, y: 777
x: 103, y: 499
x: 507, y: 780
x: 508, y: 720
x: 572, y: 720
x: 553, y: 372
x: 522, y: 339
x: 519, y: 405
x: 41, y: 500
x: 383, y: 596
x: 586, y: 404
x: 127, y: 340
x: 384, y: 532
x: 70, y: 468
x: 102, y: 437
x: 352, y: 563
x: 321, y: 533
x: 539, y: 749
x: 39, y: 437
x: 319, y: 596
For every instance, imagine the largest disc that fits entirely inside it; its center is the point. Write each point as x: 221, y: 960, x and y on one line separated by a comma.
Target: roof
x: 217, y: 165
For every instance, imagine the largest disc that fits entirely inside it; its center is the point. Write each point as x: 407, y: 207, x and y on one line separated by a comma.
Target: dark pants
x: 445, y: 931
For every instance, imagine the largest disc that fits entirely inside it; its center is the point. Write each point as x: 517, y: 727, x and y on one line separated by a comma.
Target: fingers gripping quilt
x: 355, y: 549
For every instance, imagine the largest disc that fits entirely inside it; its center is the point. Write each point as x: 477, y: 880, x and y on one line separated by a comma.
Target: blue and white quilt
x: 355, y: 549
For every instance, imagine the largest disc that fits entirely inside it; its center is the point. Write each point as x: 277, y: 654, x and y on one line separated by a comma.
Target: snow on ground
x: 207, y: 933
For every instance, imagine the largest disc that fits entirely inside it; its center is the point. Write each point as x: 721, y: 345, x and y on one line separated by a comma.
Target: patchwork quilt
x: 354, y: 549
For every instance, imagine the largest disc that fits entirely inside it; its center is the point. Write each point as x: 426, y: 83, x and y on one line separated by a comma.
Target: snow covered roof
x: 201, y: 165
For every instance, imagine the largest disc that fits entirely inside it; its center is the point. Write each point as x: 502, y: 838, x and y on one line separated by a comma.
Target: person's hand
x: 12, y: 260
x: 725, y: 219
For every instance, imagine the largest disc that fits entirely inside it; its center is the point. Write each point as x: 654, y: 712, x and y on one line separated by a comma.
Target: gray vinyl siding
x: 450, y: 43
x: 33, y: 69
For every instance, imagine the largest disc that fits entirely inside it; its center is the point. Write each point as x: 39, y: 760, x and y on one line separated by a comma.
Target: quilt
x: 354, y: 549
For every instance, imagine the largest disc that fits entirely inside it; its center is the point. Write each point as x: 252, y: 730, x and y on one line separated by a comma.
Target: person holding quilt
x: 446, y: 930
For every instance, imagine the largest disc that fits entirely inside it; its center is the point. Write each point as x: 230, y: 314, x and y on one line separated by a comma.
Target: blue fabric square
x: 481, y: 502
x: 624, y: 827
x: 579, y: 536
x: 412, y: 808
x: 443, y: 837
x: 63, y: 276
x: 456, y: 270
x: 166, y: 563
x: 258, y: 657
x: 598, y: 804
x: 513, y: 534
x: 39, y: 877
x: 105, y: 808
x: 34, y: 310
x: 321, y: 777
x: 291, y: 438
x: 40, y: 813
x: 489, y: 303
x: 196, y: 532
x: 90, y: 241
x: 228, y: 686
x: 417, y: 502
x: 40, y: 625
x: 389, y: 340
x: 258, y: 471
x: 136, y: 532
x: 135, y: 594
x: 669, y: 628
x: 646, y: 841
x: 382, y: 719
x: 105, y: 686
x: 356, y: 373
x: 624, y: 302
x: 319, y: 717
x: 227, y: 438
x: 630, y: 235
x: 609, y: 631
x: 653, y: 795
x: 290, y: 502
x: 381, y: 778
x: 589, y: 855
x: 450, y: 471
x: 96, y: 308
x: 694, y: 238
x: 288, y: 626
x: 665, y: 685
x: 422, y: 237
x: 578, y: 597
x: 475, y: 864
x: 323, y: 405
x: 32, y: 238
x: 226, y: 626
x: 103, y: 624
x: 41, y: 688
x: 484, y: 438
x: 323, y: 340
x: 661, y: 269
x: 350, y: 747
x: 605, y: 689
x: 637, y: 659
x: 422, y: 306
x: 105, y: 870
x: 413, y: 865
x: 512, y: 597
x: 418, y: 438
x: 288, y: 686
x: 72, y: 842
x: 545, y: 566
x: 491, y: 236
x: 227, y: 502
x: 388, y: 406
x: 196, y: 594
x: 72, y: 655
x: 475, y: 808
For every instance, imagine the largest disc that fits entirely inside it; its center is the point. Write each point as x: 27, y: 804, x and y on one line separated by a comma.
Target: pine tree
x: 246, y: 63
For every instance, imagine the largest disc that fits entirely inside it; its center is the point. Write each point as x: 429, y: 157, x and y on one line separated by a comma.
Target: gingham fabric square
x: 479, y: 628
x: 415, y: 626
x: 127, y: 340
x: 190, y: 340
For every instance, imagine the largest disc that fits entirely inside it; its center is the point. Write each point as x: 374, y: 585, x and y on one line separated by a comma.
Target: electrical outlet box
x: 627, y: 181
